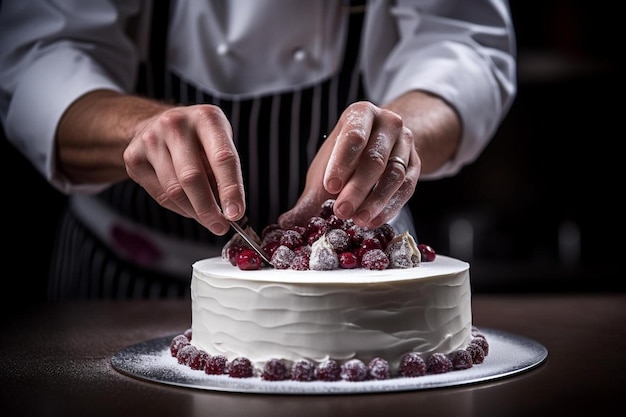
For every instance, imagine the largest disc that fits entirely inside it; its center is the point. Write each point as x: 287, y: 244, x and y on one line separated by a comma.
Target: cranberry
x: 274, y: 370
x: 428, y: 253
x: 327, y: 208
x: 232, y: 252
x: 177, y: 343
x: 335, y: 222
x: 270, y: 247
x: 216, y: 365
x: 482, y: 342
x: 379, y: 369
x: 461, y: 359
x: 328, y: 371
x: 303, y: 370
x: 240, y: 367
x: 412, y: 365
x: 356, y: 234
x: 248, y: 259
x: 316, y: 225
x: 438, y: 363
x: 348, y: 260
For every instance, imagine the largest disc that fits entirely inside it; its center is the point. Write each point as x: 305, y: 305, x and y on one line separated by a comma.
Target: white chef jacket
x: 54, y: 51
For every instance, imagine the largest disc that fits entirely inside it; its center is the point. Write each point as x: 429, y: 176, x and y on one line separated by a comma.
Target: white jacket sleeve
x: 51, y: 53
x: 463, y: 51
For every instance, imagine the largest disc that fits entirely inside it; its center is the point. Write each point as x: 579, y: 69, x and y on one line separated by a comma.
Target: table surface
x: 56, y: 361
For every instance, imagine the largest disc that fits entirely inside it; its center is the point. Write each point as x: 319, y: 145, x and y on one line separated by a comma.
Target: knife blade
x: 251, y: 242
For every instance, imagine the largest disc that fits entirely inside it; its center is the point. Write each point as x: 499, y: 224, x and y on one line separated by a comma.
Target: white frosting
x: 337, y: 314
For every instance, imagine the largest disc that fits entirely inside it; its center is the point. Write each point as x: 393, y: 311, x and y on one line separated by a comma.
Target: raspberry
x: 375, y: 259
x: 240, y: 367
x: 387, y: 232
x: 353, y: 370
x: 482, y: 342
x: 327, y: 208
x: 274, y: 370
x: 339, y: 239
x: 303, y: 370
x: 185, y: 353
x: 300, y: 263
x: 348, y: 260
x: 461, y: 359
x: 216, y: 365
x: 438, y: 363
x: 177, y: 343
x: 328, y: 371
x: 412, y: 365
x: 283, y: 257
x: 316, y: 225
x: 292, y: 239
x: 379, y: 368
x: 334, y: 222
x: 478, y: 354
x: 199, y: 359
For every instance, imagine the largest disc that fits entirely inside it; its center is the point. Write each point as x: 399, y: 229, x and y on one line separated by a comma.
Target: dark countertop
x: 56, y: 361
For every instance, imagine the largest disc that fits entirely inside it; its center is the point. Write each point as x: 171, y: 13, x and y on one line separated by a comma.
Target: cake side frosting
x: 336, y: 314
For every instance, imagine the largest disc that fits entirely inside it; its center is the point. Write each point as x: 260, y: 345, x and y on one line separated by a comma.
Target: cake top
x: 441, y: 266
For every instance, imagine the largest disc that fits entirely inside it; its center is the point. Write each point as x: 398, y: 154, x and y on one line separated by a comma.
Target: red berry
x: 248, y: 259
x: 354, y: 370
x: 216, y: 365
x: 303, y: 370
x: 482, y: 342
x: 375, y: 259
x: 177, y: 343
x: 240, y: 367
x: 478, y: 354
x: 428, y: 253
x: 438, y: 363
x: 348, y: 260
x: 379, y: 369
x: 412, y: 365
x: 328, y: 371
x: 199, y: 359
x: 274, y: 370
x: 185, y: 353
x: 461, y: 359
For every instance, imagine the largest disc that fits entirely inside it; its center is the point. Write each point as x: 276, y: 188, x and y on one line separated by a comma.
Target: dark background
x: 537, y: 212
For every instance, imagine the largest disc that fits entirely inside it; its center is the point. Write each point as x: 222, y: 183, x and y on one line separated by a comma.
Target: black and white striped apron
x: 276, y: 137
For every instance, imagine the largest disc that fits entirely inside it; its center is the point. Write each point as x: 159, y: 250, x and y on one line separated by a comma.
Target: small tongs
x: 249, y: 240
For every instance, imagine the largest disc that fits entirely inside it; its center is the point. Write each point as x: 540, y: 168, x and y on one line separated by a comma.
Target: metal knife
x: 250, y: 241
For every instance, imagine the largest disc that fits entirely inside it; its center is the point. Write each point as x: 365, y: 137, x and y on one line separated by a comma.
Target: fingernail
x: 334, y: 185
x: 231, y: 210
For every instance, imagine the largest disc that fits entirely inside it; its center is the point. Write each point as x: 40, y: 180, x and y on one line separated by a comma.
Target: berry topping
x: 248, y: 259
x: 348, y: 260
x: 187, y: 333
x: 216, y: 365
x: 428, y: 253
x: 292, y: 239
x: 412, y: 365
x: 177, y: 343
x: 274, y: 370
x: 438, y: 363
x: 303, y: 370
x: 185, y: 353
x: 461, y: 359
x: 199, y: 359
x: 339, y: 239
x: 353, y: 370
x: 375, y: 259
x: 482, y: 342
x: 478, y: 354
x: 379, y: 369
x: 327, y: 208
x: 240, y: 367
x: 328, y: 371
x: 283, y: 257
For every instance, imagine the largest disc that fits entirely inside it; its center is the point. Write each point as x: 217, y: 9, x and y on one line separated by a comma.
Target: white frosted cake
x: 332, y: 314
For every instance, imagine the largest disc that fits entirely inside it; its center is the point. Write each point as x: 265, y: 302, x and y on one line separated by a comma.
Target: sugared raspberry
x: 461, y: 359
x: 292, y: 239
x: 354, y: 370
x: 478, y: 354
x: 300, y: 263
x: 334, y: 222
x: 328, y: 371
x: 387, y: 232
x: 327, y: 208
x: 482, y: 342
x: 438, y: 363
x: 216, y: 365
x: 339, y: 239
x: 177, y: 343
x: 412, y: 365
x: 199, y: 359
x: 240, y: 367
x: 356, y: 234
x: 316, y: 224
x: 274, y: 370
x: 303, y: 370
x: 283, y: 257
x: 375, y: 259
x: 185, y: 353
x: 379, y: 369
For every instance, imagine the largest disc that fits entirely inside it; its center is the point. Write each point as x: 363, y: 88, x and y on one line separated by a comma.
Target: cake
x: 405, y: 317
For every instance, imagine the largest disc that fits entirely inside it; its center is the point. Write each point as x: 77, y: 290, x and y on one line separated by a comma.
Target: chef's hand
x: 186, y: 160
x: 368, y: 164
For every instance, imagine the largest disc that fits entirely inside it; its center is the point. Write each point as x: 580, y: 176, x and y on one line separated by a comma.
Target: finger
x: 351, y: 138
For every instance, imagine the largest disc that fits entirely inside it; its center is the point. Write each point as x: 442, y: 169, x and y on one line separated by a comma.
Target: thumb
x: 307, y: 206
